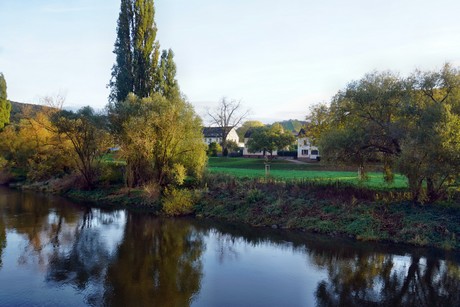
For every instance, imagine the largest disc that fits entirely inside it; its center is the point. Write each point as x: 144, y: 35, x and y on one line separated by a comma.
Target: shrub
x: 177, y: 202
x: 3, y: 162
x: 254, y: 195
x: 214, y: 149
x: 152, y: 191
x: 111, y: 173
x: 59, y: 185
x: 362, y: 224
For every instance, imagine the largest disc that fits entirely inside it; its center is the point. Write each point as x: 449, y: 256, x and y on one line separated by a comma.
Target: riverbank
x: 334, y: 209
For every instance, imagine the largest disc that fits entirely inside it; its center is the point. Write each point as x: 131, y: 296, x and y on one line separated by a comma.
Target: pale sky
x: 277, y: 57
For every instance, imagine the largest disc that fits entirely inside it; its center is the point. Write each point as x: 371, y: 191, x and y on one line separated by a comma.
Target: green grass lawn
x: 282, y: 169
x: 112, y: 157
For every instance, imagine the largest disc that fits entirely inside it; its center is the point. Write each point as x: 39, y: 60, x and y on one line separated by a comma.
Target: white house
x: 305, y: 150
x: 214, y: 134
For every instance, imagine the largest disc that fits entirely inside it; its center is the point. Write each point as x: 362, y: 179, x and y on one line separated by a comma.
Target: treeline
x: 411, y: 125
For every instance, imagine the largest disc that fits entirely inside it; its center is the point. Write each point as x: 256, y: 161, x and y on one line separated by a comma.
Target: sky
x: 277, y: 57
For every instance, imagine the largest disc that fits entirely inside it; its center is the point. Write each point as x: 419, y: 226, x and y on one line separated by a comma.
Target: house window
x: 314, y: 152
x: 304, y: 152
x: 305, y: 142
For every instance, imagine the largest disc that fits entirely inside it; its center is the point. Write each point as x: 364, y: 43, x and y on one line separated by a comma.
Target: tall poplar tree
x: 137, y: 69
x: 136, y: 51
x: 166, y: 83
x: 5, y: 105
x: 145, y: 48
x: 122, y: 81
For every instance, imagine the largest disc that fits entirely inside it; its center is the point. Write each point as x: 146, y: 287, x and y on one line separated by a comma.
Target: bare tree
x: 227, y: 115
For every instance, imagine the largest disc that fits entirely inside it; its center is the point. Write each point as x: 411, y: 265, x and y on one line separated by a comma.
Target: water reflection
x: 158, y: 264
x: 76, y: 255
x: 2, y: 239
x: 362, y: 280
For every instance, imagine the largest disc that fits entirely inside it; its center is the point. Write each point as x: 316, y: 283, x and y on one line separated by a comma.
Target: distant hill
x: 292, y: 124
x: 18, y: 109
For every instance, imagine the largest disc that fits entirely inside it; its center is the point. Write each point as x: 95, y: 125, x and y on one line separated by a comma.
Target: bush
x: 3, y: 162
x: 111, y: 173
x: 178, y: 202
x: 254, y: 196
x: 152, y: 191
x: 214, y: 149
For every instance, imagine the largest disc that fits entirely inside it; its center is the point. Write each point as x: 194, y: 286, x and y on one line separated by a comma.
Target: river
x: 54, y: 252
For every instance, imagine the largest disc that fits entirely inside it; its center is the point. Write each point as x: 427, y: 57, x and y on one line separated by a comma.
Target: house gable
x: 305, y: 150
x: 214, y: 134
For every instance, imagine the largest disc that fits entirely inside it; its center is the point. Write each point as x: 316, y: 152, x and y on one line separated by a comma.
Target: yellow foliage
x: 34, y: 146
x: 178, y: 202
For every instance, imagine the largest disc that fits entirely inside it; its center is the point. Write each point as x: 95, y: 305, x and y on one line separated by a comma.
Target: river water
x: 57, y: 253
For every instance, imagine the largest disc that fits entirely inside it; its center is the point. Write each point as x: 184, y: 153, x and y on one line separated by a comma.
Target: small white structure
x: 214, y: 134
x: 305, y: 150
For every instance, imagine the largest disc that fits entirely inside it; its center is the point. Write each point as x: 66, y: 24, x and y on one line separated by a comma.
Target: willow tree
x: 361, y: 124
x: 5, y: 105
x: 165, y: 138
x: 412, y: 124
x: 431, y: 147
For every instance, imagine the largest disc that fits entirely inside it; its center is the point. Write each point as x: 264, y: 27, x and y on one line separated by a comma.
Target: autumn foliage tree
x: 87, y: 132
x: 33, y: 147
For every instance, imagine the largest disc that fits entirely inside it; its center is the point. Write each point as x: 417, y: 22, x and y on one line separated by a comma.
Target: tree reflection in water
x: 112, y: 257
x: 373, y: 279
x: 2, y: 238
x: 362, y: 274
x: 158, y: 264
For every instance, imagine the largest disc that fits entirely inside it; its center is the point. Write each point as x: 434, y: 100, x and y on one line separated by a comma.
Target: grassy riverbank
x: 320, y: 201
x: 338, y: 209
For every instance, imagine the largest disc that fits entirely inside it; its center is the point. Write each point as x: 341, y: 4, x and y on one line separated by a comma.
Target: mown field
x: 286, y: 170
